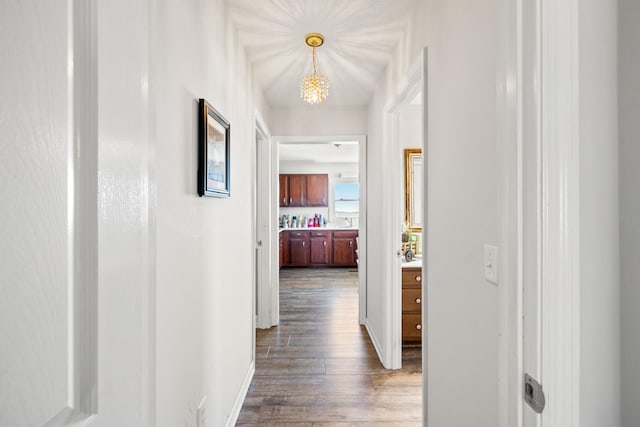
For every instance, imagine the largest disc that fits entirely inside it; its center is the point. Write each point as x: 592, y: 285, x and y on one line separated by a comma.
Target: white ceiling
x: 360, y: 38
x: 331, y: 152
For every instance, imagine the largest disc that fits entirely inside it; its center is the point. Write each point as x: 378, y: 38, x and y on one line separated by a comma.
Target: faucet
x: 349, y: 221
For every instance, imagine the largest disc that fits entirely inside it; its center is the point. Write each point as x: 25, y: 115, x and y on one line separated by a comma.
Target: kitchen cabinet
x: 344, y: 248
x: 320, y: 245
x: 412, y: 306
x: 299, y: 248
x: 285, y: 253
x: 284, y: 190
x: 317, y: 190
x: 318, y: 248
x: 298, y: 190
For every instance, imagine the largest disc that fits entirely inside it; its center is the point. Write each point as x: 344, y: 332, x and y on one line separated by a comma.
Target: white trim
x: 560, y: 291
x: 374, y: 339
x: 242, y: 394
x: 510, y: 187
x: 408, y: 88
x: 264, y: 196
x: 362, y: 228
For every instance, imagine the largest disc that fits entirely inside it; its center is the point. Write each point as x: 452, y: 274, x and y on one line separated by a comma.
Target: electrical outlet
x: 491, y: 263
x: 201, y: 420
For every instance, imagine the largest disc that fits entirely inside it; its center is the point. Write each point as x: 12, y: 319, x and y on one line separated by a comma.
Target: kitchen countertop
x: 328, y: 228
x: 417, y: 262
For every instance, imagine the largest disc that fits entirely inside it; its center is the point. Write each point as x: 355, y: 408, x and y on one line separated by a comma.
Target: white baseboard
x: 237, y: 405
x: 375, y: 342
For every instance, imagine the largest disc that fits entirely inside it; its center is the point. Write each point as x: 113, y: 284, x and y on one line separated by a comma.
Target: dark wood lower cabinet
x: 344, y: 248
x: 299, y: 247
x: 412, y: 306
x: 318, y: 248
x: 285, y: 251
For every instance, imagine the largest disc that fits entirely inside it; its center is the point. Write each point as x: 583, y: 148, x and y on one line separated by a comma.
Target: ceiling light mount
x: 314, y: 87
x: 314, y: 40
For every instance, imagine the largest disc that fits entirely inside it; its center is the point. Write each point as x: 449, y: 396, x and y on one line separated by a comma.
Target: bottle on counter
x: 316, y: 221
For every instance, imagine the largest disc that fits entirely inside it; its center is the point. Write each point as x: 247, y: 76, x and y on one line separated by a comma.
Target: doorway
x: 406, y: 125
x: 359, y: 177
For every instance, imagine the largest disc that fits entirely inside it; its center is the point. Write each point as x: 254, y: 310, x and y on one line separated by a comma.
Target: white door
x: 264, y: 220
x: 76, y: 257
x: 48, y: 276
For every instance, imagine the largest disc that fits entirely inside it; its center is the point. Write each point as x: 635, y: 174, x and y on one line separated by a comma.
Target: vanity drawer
x: 412, y: 276
x: 412, y: 300
x: 318, y: 233
x: 411, y: 327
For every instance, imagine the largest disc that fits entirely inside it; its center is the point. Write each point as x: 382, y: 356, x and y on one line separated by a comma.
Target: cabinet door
x: 299, y: 251
x: 317, y: 190
x: 319, y: 250
x: 284, y: 190
x: 286, y: 250
x: 297, y: 190
x: 344, y: 251
x: 344, y: 248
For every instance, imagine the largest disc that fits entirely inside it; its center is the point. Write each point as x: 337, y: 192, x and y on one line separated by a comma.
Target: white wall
x: 204, y: 288
x: 629, y: 157
x: 462, y: 308
x: 318, y: 120
x: 599, y: 260
x: 333, y: 170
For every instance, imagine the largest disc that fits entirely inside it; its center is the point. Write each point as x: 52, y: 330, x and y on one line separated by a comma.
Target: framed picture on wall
x: 214, y: 137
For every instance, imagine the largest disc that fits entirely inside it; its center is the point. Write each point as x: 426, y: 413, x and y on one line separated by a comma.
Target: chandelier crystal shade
x: 314, y: 87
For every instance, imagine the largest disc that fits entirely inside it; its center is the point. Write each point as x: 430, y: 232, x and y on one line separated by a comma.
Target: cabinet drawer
x: 303, y: 234
x: 412, y: 300
x: 411, y: 327
x: 318, y: 233
x: 412, y: 276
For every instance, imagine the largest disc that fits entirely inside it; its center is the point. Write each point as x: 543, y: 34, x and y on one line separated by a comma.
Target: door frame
x: 266, y: 314
x: 413, y: 83
x: 362, y: 228
x: 542, y: 110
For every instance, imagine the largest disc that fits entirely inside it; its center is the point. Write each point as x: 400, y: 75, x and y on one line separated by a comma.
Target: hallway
x: 319, y: 368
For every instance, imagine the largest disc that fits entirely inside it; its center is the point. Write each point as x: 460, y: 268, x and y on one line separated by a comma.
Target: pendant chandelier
x: 314, y: 88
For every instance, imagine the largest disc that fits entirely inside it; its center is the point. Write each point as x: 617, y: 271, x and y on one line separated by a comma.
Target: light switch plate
x: 491, y: 263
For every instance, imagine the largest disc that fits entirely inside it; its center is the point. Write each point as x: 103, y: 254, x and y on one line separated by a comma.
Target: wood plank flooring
x: 319, y: 368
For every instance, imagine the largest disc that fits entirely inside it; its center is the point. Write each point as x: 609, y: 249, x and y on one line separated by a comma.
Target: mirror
x: 413, y: 188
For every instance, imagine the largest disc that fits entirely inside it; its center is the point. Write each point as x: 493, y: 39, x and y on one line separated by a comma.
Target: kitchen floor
x: 319, y: 368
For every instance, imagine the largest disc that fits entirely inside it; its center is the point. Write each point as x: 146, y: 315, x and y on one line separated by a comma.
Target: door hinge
x: 533, y: 394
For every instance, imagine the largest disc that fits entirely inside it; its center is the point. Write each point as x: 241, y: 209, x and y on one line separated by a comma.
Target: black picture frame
x: 214, y: 143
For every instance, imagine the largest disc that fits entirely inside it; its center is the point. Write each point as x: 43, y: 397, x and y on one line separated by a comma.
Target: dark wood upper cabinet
x: 297, y: 190
x: 304, y: 190
x: 317, y: 190
x: 284, y: 190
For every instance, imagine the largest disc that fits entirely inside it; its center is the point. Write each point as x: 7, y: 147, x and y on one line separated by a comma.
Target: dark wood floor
x: 319, y: 368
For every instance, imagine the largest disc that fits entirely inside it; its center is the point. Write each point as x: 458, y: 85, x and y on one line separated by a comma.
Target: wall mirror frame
x: 413, y: 169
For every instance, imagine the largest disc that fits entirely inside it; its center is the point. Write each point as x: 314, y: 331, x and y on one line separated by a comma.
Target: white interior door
x: 264, y: 220
x: 48, y: 218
